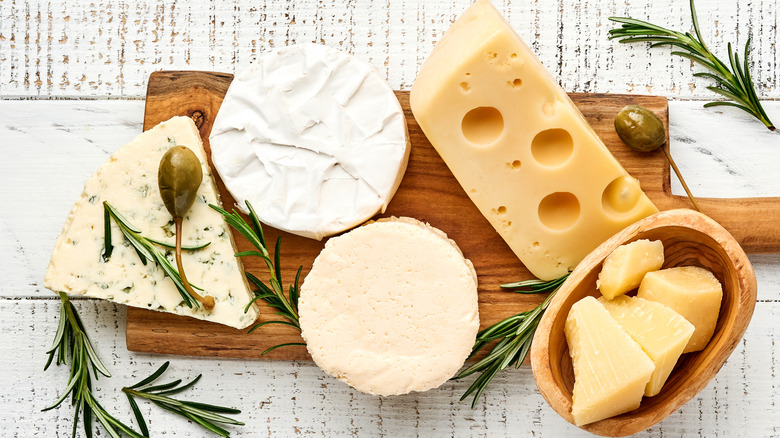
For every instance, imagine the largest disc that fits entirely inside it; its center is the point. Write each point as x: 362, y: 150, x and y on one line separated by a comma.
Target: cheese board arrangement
x: 303, y: 210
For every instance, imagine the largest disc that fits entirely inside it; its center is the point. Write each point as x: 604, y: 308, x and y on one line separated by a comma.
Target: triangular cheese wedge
x: 128, y: 181
x: 610, y: 369
x: 660, y: 331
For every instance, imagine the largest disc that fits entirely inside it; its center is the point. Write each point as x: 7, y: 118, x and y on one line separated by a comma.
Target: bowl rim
x: 560, y: 400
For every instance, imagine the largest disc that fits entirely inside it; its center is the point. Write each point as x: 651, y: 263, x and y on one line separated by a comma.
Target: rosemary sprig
x: 733, y: 81
x: 514, y: 336
x: 146, y: 250
x: 203, y: 414
x: 72, y: 343
x: 274, y: 295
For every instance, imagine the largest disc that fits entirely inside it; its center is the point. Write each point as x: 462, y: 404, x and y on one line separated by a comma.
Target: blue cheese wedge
x: 128, y: 181
x: 390, y: 307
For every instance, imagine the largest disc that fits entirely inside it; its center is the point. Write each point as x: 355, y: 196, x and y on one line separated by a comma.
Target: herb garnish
x: 274, y: 296
x: 72, y: 343
x: 515, y: 333
x: 147, y: 251
x: 734, y: 83
x: 203, y: 414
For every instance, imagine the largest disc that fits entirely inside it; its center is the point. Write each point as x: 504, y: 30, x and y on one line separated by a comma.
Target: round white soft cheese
x: 390, y: 307
x: 314, y: 138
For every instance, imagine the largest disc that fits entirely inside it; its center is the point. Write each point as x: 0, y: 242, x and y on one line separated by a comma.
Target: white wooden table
x: 72, y: 76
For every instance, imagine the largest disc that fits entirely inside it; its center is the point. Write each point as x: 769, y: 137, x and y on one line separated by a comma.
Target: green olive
x: 179, y: 177
x: 640, y: 129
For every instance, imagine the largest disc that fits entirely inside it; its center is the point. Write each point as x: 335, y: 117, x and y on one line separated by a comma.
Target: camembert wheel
x: 313, y: 138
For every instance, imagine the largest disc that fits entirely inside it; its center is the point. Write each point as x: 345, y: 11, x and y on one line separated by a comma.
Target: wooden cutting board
x: 429, y: 192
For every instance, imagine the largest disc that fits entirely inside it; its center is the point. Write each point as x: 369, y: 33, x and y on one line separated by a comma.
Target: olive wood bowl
x: 690, y: 239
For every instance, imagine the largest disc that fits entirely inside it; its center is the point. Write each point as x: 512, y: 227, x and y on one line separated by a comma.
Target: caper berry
x: 179, y: 177
x: 640, y: 129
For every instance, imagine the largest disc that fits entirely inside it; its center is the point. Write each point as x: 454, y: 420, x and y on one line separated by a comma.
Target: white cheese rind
x: 390, y: 307
x: 314, y: 138
x: 128, y: 181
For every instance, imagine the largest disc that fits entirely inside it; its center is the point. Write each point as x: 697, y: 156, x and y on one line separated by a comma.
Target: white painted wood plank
x: 724, y: 152
x: 69, y: 139
x: 49, y: 150
x: 108, y: 48
x: 297, y: 398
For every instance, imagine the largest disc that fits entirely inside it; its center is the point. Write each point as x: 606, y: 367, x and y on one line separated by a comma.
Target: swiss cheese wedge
x: 128, y: 181
x: 519, y: 147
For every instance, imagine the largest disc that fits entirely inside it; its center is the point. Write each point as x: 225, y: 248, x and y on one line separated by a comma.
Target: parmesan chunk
x: 610, y: 369
x: 660, y: 331
x: 692, y: 292
x: 624, y: 269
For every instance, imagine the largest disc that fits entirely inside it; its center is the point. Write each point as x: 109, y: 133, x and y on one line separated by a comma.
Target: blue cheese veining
x: 128, y: 180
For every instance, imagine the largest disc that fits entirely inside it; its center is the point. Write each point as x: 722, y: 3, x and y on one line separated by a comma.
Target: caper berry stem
x: 682, y: 180
x: 206, y: 301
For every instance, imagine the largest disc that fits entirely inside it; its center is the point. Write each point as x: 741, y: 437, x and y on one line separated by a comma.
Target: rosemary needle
x: 71, y: 343
x: 146, y: 250
x: 514, y: 336
x: 274, y: 296
x: 206, y: 415
x: 733, y: 80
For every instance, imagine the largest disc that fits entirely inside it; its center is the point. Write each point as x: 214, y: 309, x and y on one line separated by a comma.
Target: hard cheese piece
x: 610, y: 369
x: 519, y: 147
x: 660, y: 331
x: 624, y: 269
x: 128, y: 181
x: 390, y: 307
x: 692, y: 292
x: 314, y: 138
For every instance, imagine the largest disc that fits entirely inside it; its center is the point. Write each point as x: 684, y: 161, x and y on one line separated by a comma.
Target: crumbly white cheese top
x: 128, y: 181
x: 390, y: 307
x: 314, y: 138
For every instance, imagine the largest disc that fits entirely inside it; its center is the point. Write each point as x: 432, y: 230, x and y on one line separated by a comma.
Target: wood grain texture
x: 71, y: 138
x: 51, y: 48
x: 84, y: 51
x: 295, y: 398
x: 690, y: 239
x: 428, y: 192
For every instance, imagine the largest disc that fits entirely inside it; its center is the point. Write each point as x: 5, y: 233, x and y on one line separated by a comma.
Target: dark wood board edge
x: 221, y: 341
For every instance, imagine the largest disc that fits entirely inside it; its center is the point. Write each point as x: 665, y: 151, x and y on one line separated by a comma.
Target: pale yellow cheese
x: 519, y: 147
x: 660, y: 331
x: 624, y: 269
x: 692, y: 292
x: 610, y: 368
